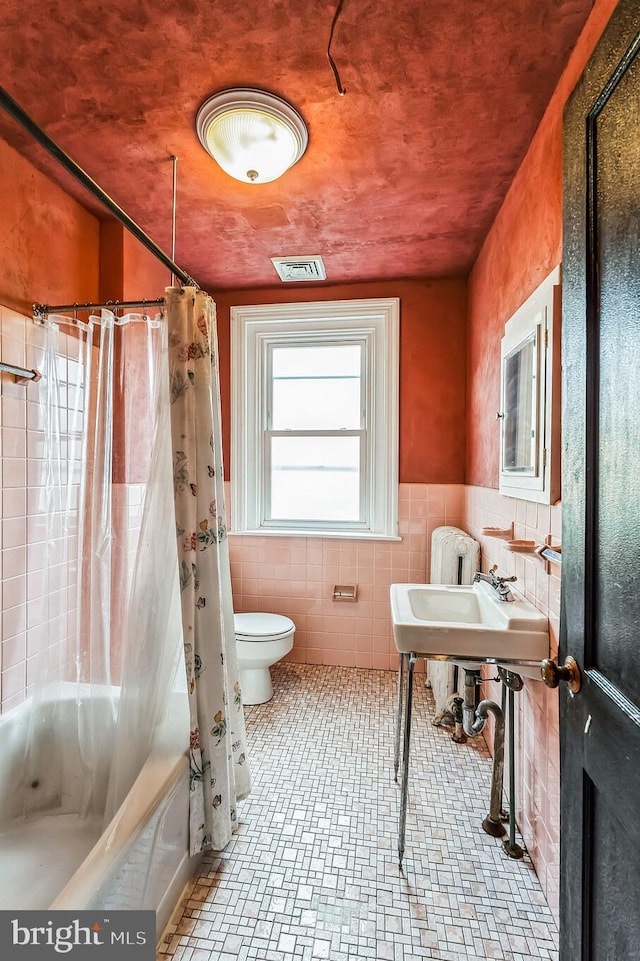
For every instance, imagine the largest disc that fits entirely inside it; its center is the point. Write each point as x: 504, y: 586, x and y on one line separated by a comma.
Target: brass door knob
x: 552, y: 673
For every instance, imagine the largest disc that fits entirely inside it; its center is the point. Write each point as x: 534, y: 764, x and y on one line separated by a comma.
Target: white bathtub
x: 62, y: 861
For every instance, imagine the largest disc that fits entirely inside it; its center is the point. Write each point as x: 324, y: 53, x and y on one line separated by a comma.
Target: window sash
x: 363, y: 522
x: 310, y: 340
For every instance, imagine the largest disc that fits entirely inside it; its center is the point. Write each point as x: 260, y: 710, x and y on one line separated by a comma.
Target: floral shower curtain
x: 219, y: 771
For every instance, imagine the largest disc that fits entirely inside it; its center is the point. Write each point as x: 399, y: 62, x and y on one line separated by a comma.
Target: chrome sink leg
x: 511, y: 846
x: 396, y: 752
x: 405, y: 758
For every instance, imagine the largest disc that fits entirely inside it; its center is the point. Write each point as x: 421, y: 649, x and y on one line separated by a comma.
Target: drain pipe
x: 474, y: 720
x: 458, y: 721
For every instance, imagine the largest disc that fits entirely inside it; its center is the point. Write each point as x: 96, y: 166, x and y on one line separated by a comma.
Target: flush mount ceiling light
x: 253, y: 135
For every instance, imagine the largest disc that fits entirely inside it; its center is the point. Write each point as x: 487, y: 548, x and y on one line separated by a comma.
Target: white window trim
x: 252, y: 327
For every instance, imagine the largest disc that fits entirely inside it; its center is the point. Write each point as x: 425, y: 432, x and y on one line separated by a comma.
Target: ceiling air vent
x: 296, y: 269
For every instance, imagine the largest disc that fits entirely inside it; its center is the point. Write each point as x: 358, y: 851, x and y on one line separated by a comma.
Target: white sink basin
x: 467, y: 623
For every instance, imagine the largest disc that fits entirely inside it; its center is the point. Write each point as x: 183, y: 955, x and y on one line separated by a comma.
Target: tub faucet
x: 499, y: 584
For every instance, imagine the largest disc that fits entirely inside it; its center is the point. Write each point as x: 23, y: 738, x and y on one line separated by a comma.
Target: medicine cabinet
x: 529, y: 417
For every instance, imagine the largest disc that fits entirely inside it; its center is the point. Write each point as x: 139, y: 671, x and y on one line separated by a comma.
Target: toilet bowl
x: 262, y: 639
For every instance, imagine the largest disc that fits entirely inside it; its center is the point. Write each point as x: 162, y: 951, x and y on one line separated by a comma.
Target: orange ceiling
x: 402, y: 176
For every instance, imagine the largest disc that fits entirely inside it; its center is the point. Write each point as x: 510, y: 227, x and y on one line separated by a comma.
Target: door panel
x: 616, y: 157
x: 613, y: 937
x: 600, y: 619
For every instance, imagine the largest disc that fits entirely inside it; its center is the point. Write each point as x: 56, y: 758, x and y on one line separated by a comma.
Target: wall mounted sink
x: 468, y: 623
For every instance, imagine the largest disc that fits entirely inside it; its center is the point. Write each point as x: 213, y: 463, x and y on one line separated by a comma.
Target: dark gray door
x: 600, y: 623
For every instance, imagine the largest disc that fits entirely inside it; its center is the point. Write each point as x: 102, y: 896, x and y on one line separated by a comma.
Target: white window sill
x: 336, y: 535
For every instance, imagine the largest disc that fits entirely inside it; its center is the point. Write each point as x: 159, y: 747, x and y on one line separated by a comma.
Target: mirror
x: 520, y: 407
x: 530, y: 396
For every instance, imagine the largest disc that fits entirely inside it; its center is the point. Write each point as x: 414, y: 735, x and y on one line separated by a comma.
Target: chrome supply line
x: 42, y: 311
x: 14, y: 110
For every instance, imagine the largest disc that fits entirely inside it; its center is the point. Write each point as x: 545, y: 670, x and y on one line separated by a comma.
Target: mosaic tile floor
x: 312, y: 872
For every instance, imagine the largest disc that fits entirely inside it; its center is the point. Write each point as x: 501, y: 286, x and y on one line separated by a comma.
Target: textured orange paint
x: 402, y: 177
x: 432, y: 367
x: 522, y: 247
x: 145, y: 278
x: 48, y: 242
x: 111, y: 260
x: 129, y: 272
x: 432, y: 382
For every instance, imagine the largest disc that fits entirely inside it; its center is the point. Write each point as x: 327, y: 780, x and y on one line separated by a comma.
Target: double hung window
x: 314, y: 418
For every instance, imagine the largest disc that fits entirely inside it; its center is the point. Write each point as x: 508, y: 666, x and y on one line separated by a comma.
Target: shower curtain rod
x: 40, y: 311
x: 15, y: 111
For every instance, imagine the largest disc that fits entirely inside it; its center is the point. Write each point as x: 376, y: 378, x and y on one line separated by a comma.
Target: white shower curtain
x: 111, y: 674
x: 219, y: 769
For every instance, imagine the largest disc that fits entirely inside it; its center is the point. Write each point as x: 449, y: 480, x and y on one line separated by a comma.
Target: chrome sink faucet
x: 499, y: 584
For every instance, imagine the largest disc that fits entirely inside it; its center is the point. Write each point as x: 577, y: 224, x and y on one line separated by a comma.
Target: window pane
x: 317, y: 360
x: 315, y: 478
x: 316, y: 388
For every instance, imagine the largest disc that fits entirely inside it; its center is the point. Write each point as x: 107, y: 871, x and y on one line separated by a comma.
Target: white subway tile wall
x: 39, y: 601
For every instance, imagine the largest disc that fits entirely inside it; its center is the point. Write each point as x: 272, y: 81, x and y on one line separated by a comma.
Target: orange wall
x: 52, y: 251
x: 49, y: 244
x: 432, y: 367
x: 522, y: 247
x: 128, y: 271
x: 144, y: 276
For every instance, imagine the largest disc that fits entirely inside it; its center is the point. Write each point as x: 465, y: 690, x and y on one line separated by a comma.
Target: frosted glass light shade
x: 253, y: 135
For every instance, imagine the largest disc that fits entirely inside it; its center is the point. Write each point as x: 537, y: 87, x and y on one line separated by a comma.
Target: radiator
x: 455, y: 557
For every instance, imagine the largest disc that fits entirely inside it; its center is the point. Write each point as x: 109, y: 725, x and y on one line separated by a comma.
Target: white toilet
x: 262, y: 640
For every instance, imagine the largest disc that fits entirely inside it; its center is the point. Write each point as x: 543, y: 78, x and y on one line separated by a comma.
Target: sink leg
x: 504, y: 815
x: 511, y: 847
x: 405, y: 758
x: 396, y: 752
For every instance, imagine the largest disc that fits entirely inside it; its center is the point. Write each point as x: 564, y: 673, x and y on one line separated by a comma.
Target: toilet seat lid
x: 262, y: 625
